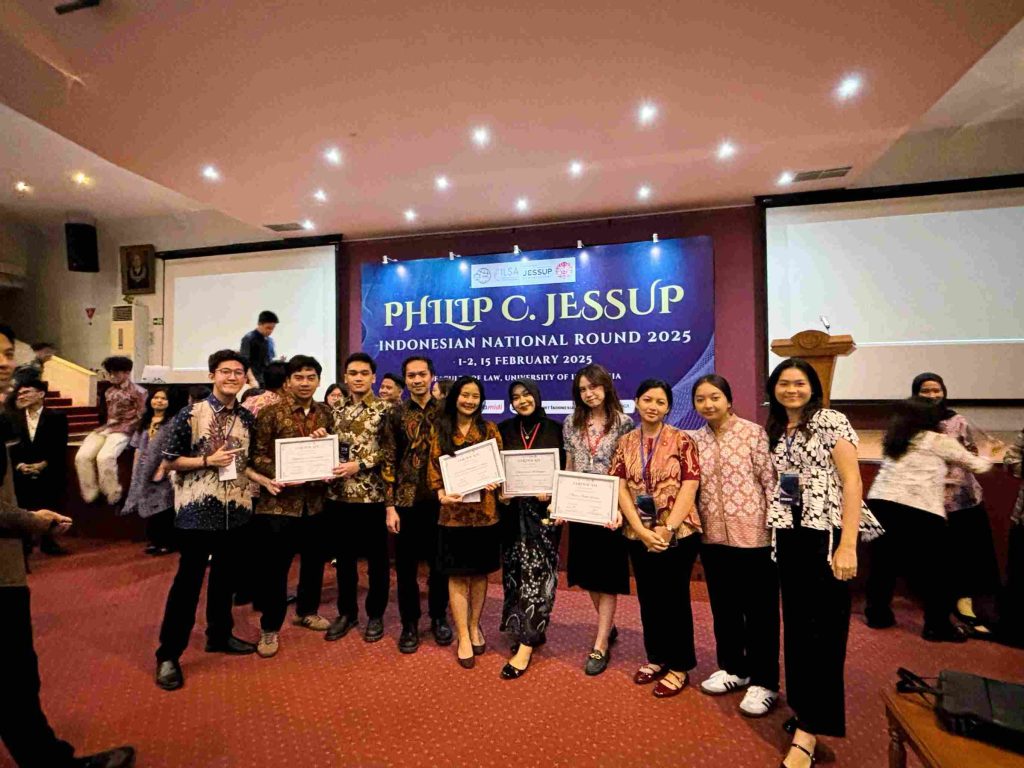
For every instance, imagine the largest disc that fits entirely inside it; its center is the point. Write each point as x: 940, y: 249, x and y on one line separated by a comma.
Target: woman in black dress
x: 529, y: 541
x: 598, y: 559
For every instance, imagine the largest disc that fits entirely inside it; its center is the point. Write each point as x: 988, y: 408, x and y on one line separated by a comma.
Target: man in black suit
x: 39, y: 458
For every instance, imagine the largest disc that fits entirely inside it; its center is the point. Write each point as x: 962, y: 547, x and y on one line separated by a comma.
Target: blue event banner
x: 643, y: 310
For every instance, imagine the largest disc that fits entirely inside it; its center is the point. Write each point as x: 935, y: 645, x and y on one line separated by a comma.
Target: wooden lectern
x: 820, y: 350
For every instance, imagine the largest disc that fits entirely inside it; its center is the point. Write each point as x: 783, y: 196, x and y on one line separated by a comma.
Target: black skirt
x: 598, y: 559
x: 468, y: 550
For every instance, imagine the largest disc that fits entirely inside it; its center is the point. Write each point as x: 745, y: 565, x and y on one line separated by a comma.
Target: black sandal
x: 802, y: 749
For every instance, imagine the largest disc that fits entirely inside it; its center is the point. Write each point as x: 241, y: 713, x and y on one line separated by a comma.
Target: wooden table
x: 913, y: 722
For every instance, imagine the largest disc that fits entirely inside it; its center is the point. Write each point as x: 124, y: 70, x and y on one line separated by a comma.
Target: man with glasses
x: 412, y: 508
x: 208, y: 449
x: 288, y: 520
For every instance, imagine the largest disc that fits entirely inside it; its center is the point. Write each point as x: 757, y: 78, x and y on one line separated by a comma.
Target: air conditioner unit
x: 129, y: 334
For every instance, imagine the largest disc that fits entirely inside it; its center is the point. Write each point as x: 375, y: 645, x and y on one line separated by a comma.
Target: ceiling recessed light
x: 442, y: 183
x: 848, y: 88
x: 644, y: 192
x: 307, y: 224
x: 320, y: 195
x: 211, y: 174
x: 522, y: 205
x: 726, y: 150
x: 81, y: 179
x: 646, y: 113
x: 333, y: 156
x: 481, y: 136
x: 22, y: 187
x: 410, y: 215
x: 786, y: 178
x: 575, y: 168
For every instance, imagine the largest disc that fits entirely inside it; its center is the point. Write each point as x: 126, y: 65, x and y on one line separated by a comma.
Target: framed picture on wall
x: 138, y: 269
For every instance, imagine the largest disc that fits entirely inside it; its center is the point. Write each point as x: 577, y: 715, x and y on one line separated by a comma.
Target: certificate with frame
x: 531, y: 472
x: 303, y: 459
x: 581, y: 497
x: 472, y: 468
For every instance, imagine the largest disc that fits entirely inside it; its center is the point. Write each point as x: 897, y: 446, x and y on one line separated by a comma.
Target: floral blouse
x: 474, y: 514
x: 963, y: 490
x: 737, y: 484
x: 592, y: 451
x: 1012, y: 459
x: 672, y: 461
x: 821, y: 490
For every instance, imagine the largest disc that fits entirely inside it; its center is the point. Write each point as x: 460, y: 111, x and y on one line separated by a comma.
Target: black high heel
x: 508, y: 672
x: 782, y: 764
x: 613, y: 635
x: 790, y: 725
x: 479, y: 650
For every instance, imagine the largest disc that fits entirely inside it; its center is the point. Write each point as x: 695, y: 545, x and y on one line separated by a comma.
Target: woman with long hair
x: 335, y: 396
x: 737, y: 484
x: 598, y: 561
x: 151, y: 495
x: 975, y: 569
x: 816, y: 514
x: 907, y: 498
x: 529, y: 567
x: 468, y: 538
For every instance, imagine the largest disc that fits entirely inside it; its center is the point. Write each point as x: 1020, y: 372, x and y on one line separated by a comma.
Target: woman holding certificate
x: 530, y: 547
x: 468, y: 540
x: 660, y: 471
x: 597, y: 556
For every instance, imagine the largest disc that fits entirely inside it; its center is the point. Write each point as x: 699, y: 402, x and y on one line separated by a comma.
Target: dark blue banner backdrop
x: 643, y: 310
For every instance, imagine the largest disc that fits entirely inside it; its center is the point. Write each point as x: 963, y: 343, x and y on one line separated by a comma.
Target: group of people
x: 773, y: 512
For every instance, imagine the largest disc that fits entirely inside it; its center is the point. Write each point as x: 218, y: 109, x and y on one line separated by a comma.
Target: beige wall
x: 20, y: 245
x: 53, y: 304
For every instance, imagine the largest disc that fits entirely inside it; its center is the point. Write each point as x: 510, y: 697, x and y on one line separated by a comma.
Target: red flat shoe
x: 662, y: 691
x: 647, y: 674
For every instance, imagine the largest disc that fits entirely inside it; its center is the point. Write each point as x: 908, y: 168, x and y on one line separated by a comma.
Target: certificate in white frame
x: 472, y: 468
x: 530, y: 472
x: 581, y: 497
x: 305, y: 459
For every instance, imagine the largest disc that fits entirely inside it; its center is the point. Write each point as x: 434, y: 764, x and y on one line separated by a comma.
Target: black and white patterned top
x: 592, y: 451
x: 821, y: 489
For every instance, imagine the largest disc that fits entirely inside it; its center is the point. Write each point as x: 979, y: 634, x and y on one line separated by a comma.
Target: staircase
x: 81, y: 419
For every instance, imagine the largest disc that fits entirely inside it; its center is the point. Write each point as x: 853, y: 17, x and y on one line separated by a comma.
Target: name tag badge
x: 789, y: 489
x: 344, y: 452
x: 645, y: 508
x: 230, y: 472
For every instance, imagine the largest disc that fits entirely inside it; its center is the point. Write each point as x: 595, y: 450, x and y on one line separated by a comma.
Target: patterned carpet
x: 355, y: 704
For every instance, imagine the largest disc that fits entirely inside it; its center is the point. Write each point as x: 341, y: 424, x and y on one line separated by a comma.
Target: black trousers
x: 23, y: 726
x: 197, y: 549
x: 417, y: 541
x: 816, y: 617
x: 360, y: 529
x: 915, y: 544
x: 279, y: 539
x: 663, y: 589
x: 743, y: 586
x: 160, y: 529
x: 975, y: 569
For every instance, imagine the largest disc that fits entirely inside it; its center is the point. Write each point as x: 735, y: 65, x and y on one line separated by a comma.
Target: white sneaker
x: 758, y: 701
x: 722, y: 682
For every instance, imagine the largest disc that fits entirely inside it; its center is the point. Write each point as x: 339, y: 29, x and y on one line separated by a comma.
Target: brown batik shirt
x: 360, y: 425
x: 408, y: 452
x: 286, y: 419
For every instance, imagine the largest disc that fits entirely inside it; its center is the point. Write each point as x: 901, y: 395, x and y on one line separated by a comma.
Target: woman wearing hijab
x: 975, y: 570
x: 530, y: 542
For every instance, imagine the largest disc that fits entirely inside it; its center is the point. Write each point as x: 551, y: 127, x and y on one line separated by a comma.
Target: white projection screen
x: 930, y: 283
x: 211, y: 302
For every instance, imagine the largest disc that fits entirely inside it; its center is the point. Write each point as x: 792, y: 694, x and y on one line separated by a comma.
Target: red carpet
x: 350, y: 703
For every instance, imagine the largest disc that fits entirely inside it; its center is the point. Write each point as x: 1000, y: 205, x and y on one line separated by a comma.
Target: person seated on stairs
x: 126, y: 402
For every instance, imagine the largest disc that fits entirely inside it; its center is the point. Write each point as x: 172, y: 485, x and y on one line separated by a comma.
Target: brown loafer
x: 646, y: 675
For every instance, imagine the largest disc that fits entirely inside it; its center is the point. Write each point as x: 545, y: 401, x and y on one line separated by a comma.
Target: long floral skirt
x: 529, y: 571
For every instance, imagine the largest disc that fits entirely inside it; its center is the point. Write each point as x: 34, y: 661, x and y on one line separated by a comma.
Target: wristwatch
x: 673, y: 528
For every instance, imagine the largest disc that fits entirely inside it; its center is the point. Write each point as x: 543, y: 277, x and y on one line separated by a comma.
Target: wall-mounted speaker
x: 83, y: 253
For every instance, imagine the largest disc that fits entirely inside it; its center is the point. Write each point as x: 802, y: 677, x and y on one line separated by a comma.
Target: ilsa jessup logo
x: 541, y: 272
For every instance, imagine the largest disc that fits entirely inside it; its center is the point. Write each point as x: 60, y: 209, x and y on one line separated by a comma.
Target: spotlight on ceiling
x: 81, y: 179
x: 786, y: 177
x: 522, y: 205
x: 320, y: 196
x: 848, y: 88
x: 307, y: 224
x: 211, y: 174
x: 22, y: 187
x: 646, y: 113
x: 410, y: 215
x: 644, y: 192
x: 333, y: 156
x: 576, y: 168
x: 726, y: 150
x: 481, y: 136
x: 442, y: 183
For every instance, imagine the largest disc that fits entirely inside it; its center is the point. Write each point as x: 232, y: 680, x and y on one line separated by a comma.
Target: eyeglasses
x: 231, y: 373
